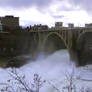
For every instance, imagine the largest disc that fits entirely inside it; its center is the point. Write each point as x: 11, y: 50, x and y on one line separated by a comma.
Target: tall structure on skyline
x: 9, y: 23
x: 71, y: 25
x: 58, y: 24
x: 88, y: 25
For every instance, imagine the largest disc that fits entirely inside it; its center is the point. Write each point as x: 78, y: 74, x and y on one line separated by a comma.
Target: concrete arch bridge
x: 78, y: 41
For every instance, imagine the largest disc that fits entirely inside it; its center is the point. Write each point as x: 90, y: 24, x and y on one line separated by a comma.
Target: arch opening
x: 53, y: 42
x: 84, y: 47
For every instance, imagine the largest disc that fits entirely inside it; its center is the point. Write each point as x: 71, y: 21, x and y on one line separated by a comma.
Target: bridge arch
x: 83, y: 32
x: 84, y: 47
x: 83, y: 37
x: 54, y: 41
x: 80, y: 35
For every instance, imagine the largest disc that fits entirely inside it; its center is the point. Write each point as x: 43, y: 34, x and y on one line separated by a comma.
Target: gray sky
x: 25, y: 3
x: 48, y: 11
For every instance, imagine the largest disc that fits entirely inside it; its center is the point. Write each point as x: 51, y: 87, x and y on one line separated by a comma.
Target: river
x: 54, y: 69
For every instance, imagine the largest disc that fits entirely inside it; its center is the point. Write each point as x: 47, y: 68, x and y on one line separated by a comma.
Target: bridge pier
x: 74, y: 56
x: 84, y: 47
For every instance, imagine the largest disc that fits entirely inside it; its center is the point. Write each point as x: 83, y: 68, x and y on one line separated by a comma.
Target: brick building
x: 9, y: 23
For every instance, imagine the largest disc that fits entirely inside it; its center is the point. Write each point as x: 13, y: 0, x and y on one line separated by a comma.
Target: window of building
x: 4, y: 49
x: 11, y: 49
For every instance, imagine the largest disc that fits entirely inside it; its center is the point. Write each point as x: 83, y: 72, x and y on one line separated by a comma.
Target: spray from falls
x: 52, y: 68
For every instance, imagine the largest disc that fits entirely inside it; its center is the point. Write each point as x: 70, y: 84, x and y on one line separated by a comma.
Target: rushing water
x: 53, y: 69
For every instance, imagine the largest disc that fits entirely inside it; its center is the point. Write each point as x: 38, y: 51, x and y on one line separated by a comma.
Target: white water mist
x: 53, y: 68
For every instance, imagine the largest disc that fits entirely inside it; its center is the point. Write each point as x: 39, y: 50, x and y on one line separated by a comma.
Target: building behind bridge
x: 9, y: 23
x: 88, y: 25
x: 14, y: 42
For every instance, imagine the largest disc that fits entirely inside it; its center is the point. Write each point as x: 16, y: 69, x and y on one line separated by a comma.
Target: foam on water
x: 53, y: 68
x: 53, y: 65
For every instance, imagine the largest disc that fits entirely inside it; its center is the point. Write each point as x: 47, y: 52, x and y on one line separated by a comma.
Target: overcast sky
x: 48, y: 12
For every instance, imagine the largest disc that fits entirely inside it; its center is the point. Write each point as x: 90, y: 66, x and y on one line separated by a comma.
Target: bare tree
x: 86, y: 89
x: 57, y: 89
x: 19, y: 84
x: 70, y: 84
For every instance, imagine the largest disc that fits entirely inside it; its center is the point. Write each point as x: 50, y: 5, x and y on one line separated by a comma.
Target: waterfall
x: 53, y: 68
